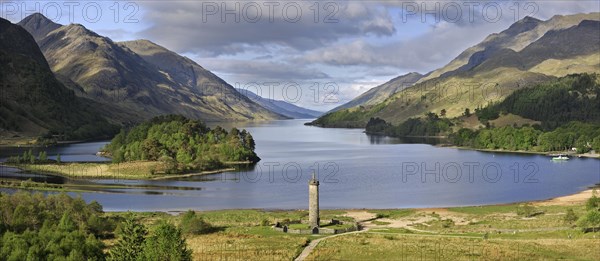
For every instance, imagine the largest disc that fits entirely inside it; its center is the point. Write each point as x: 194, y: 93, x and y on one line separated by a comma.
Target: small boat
x: 560, y: 157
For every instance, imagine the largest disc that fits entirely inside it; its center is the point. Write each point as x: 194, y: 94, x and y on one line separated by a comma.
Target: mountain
x: 382, y: 92
x: 518, y: 36
x: 214, y: 94
x: 33, y: 101
x: 527, y: 53
x: 38, y: 25
x: 281, y: 107
x: 574, y: 42
x: 138, y: 77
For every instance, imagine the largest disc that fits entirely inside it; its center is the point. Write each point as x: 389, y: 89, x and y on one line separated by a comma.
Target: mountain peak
x: 79, y: 29
x: 529, y: 19
x: 144, y: 46
x: 38, y: 18
x: 38, y: 25
x: 525, y: 24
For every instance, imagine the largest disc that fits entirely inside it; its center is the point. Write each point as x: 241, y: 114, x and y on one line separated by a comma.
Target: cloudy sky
x: 316, y: 54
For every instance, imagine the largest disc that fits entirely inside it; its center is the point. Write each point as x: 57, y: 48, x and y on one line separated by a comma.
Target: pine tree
x: 131, y: 241
x: 66, y: 223
x: 167, y: 243
x: 31, y: 157
x: 58, y: 158
x: 42, y: 156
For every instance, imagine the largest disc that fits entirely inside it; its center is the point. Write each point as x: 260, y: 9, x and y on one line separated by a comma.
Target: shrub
x: 526, y: 210
x: 591, y: 220
x: 593, y: 202
x: 570, y: 217
x: 194, y: 224
x: 446, y: 223
x: 265, y: 222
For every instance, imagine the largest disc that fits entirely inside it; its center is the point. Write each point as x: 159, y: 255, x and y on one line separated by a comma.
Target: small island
x: 168, y: 146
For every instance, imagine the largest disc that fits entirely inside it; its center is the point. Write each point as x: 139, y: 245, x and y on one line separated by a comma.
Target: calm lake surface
x: 355, y: 171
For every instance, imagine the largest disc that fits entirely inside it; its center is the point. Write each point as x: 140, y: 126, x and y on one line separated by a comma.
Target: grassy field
x: 396, y: 246
x: 243, y: 234
x: 465, y: 233
x: 126, y: 170
x: 129, y: 170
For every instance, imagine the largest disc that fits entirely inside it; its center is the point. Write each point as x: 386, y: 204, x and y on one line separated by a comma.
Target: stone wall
x: 321, y: 230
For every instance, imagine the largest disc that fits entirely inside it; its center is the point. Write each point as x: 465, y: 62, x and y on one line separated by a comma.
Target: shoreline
x: 202, y: 173
x: 578, y: 198
x: 442, y: 145
x: 565, y: 200
x: 547, y: 153
x: 95, y: 170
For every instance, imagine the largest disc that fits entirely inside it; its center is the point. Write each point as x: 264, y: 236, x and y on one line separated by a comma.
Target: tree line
x: 29, y: 158
x: 430, y: 125
x: 582, y: 136
x: 574, y: 97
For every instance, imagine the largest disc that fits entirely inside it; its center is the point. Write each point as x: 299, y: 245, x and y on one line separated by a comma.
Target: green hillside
x: 33, y: 101
x: 567, y: 108
x: 139, y: 79
x: 528, y: 53
x: 570, y: 98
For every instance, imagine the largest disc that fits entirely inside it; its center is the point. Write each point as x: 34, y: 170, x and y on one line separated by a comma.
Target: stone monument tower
x: 313, y: 202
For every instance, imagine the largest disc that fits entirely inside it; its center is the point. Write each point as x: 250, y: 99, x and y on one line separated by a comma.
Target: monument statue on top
x: 313, y: 203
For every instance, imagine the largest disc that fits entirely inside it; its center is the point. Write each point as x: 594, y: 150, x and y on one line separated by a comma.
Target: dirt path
x: 308, y: 249
x: 362, y: 217
x: 365, y: 219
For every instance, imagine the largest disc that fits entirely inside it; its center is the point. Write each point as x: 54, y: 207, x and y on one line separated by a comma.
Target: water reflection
x: 380, y: 139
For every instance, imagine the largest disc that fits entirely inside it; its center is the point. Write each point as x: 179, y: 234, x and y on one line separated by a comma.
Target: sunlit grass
x: 367, y: 246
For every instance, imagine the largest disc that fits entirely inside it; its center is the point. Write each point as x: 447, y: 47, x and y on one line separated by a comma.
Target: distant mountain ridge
x: 380, y: 93
x: 139, y: 77
x: 281, y: 107
x: 518, y: 36
x: 530, y: 51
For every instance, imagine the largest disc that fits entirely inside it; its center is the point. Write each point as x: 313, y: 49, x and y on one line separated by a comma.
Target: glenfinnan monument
x: 313, y: 202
